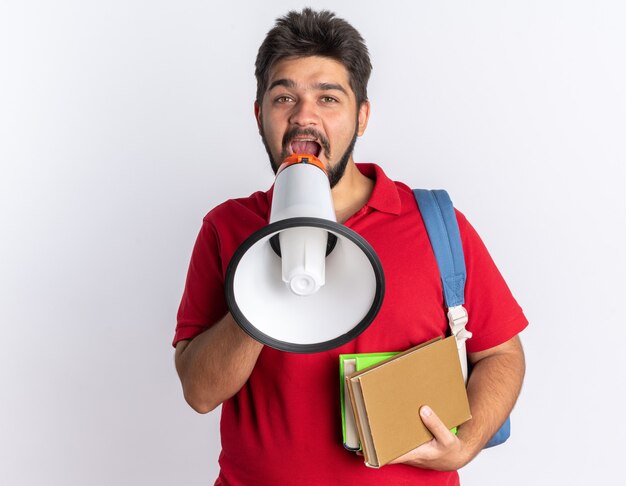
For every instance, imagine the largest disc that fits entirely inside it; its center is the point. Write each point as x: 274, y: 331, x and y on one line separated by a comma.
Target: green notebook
x: 348, y: 364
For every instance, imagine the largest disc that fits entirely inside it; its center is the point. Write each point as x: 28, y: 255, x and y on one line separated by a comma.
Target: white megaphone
x: 304, y: 283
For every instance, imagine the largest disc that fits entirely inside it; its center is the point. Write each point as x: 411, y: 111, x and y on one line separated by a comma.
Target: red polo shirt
x: 284, y: 426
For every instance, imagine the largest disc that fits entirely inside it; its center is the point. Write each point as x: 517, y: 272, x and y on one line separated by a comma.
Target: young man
x: 281, y: 422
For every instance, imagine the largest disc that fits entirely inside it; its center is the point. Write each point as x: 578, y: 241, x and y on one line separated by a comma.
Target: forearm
x: 494, y: 385
x: 215, y: 365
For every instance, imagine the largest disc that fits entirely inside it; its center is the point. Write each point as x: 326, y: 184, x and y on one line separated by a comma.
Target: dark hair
x: 311, y: 33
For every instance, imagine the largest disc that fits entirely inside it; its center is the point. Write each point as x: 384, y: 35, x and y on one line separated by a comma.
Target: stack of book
x: 381, y: 394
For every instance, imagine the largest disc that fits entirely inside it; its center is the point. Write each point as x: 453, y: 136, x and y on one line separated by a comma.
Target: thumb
x: 435, y: 425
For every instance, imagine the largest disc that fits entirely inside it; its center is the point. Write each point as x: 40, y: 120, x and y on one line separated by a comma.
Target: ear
x: 363, y: 117
x: 257, y: 115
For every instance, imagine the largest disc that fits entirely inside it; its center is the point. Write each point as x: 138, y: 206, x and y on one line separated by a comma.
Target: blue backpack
x: 443, y: 231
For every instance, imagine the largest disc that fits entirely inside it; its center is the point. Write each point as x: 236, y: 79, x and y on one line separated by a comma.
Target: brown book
x: 386, y: 399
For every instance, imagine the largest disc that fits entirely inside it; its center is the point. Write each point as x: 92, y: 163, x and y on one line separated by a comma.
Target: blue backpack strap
x: 443, y: 231
x: 445, y: 239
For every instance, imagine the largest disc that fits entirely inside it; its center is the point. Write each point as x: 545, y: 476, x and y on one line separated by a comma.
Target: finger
x: 418, y: 455
x: 436, y: 426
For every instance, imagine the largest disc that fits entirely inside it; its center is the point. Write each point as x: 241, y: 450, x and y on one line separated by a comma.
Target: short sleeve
x: 203, y: 302
x: 494, y: 314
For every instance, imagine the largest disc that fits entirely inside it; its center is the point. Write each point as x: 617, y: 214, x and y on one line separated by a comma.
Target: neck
x: 351, y: 192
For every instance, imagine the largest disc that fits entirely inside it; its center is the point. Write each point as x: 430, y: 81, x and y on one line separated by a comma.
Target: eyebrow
x: 289, y: 83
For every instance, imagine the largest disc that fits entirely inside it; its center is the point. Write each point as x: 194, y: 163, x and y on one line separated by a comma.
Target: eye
x: 283, y: 99
x: 329, y: 99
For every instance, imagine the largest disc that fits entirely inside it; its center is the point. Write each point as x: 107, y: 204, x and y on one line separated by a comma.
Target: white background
x: 123, y: 122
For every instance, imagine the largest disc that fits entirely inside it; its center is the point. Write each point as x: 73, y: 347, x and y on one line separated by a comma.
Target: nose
x: 304, y: 113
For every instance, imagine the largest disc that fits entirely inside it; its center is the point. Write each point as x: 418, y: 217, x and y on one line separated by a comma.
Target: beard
x: 334, y: 173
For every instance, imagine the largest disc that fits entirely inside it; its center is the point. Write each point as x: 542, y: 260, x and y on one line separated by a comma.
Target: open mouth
x: 308, y: 146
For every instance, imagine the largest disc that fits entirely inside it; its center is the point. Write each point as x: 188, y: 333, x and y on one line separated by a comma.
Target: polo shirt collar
x: 385, y: 196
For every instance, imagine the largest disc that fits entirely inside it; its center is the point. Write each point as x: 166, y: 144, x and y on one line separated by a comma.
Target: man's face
x: 309, y: 107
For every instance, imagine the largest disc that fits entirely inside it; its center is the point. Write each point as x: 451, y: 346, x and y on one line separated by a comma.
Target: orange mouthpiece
x: 301, y: 159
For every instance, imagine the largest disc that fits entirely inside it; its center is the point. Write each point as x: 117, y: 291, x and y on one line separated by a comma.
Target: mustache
x: 309, y: 132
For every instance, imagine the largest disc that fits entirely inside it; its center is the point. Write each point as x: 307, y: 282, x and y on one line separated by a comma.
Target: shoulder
x: 228, y: 224
x: 239, y: 209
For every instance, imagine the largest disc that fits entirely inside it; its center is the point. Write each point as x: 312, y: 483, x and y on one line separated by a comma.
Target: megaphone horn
x: 304, y: 283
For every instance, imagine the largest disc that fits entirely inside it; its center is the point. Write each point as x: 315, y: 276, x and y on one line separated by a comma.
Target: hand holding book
x: 445, y: 452
x: 386, y: 397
